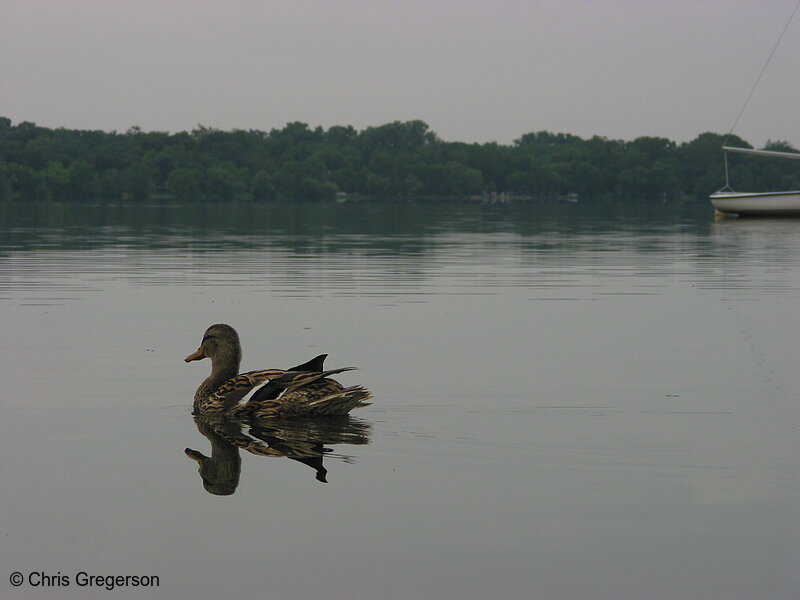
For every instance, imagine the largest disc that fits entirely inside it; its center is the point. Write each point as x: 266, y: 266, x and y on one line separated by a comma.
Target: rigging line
x: 760, y: 75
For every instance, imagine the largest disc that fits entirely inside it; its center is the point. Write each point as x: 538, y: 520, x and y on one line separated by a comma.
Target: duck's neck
x: 223, y: 367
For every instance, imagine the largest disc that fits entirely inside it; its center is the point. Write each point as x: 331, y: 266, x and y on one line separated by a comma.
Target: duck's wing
x: 294, y: 379
x: 236, y: 388
x: 273, y: 387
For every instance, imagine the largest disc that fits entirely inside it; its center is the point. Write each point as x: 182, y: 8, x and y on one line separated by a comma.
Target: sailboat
x: 727, y: 201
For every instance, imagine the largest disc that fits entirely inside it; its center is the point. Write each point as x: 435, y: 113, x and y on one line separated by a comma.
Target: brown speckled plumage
x: 305, y: 390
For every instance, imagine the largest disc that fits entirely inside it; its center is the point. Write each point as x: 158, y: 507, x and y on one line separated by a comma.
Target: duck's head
x: 220, y: 472
x: 220, y: 344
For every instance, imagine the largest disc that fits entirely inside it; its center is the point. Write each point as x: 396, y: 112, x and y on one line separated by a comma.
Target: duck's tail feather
x: 341, y: 402
x: 315, y: 364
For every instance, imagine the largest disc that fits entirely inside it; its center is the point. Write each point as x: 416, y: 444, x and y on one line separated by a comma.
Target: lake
x: 570, y: 402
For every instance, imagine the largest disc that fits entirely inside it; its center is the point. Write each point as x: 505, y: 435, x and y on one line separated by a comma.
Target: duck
x: 305, y: 390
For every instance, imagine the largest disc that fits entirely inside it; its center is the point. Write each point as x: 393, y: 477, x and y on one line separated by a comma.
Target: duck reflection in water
x: 301, y: 439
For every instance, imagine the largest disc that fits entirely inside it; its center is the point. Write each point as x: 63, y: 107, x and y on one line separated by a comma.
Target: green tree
x: 111, y: 185
x: 6, y: 191
x: 225, y: 181
x: 82, y: 181
x: 185, y: 183
x: 138, y: 182
x: 263, y: 187
x: 55, y: 182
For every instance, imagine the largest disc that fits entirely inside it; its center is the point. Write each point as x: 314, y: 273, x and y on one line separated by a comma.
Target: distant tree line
x: 396, y: 161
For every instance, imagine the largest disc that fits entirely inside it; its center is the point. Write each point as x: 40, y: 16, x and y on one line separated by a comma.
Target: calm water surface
x: 569, y: 403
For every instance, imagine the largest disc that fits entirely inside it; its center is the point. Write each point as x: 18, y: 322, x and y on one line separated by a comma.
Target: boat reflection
x: 302, y: 440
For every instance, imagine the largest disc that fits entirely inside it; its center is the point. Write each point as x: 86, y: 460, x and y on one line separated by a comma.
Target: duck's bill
x: 196, y: 356
x: 195, y: 455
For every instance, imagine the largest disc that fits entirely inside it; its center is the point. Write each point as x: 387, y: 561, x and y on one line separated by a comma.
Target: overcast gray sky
x: 474, y: 70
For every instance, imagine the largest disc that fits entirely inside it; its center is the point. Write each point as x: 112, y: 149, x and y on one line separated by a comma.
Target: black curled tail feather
x: 315, y: 364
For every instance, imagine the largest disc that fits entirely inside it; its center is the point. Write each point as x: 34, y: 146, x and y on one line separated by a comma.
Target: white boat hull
x: 760, y: 204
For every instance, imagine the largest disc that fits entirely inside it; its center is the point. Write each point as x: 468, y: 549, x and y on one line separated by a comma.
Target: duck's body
x: 304, y: 390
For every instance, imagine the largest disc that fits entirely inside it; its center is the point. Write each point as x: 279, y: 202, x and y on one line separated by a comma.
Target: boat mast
x: 763, y: 70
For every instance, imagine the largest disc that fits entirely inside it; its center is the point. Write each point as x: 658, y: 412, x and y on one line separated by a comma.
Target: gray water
x: 569, y: 403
